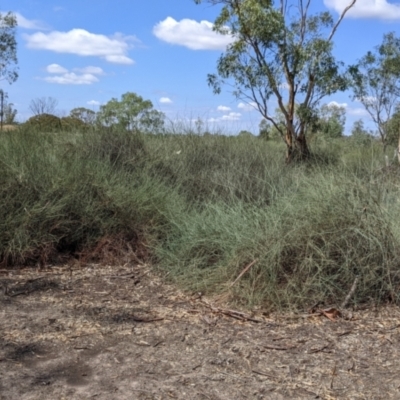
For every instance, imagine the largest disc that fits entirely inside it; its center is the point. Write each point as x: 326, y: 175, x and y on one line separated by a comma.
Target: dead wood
x: 351, y: 292
x: 244, y: 271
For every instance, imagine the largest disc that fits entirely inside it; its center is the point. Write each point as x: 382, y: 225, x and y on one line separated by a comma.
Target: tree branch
x: 340, y: 19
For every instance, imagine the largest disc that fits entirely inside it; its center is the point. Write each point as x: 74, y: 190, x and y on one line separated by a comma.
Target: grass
x: 201, y: 208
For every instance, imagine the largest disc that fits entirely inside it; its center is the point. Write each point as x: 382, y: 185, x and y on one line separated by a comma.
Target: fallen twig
x: 272, y: 347
x: 138, y: 319
x: 233, y: 313
x: 263, y: 373
x: 244, y: 271
x: 350, y: 294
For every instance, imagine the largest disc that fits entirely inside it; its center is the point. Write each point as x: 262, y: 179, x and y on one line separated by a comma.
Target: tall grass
x: 204, y: 207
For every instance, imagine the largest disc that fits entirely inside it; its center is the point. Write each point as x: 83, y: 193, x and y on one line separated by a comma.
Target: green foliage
x: 332, y: 121
x: 360, y: 135
x: 279, y: 47
x: 376, y: 83
x: 264, y: 130
x: 73, y: 124
x: 44, y: 123
x: 203, y: 207
x: 393, y: 128
x: 8, y: 47
x: 244, y: 133
x: 83, y: 114
x: 132, y: 113
x: 10, y: 113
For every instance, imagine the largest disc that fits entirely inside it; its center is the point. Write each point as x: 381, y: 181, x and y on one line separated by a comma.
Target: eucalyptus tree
x: 280, y: 50
x: 83, y: 114
x: 9, y: 113
x: 133, y: 113
x: 8, y: 47
x: 376, y: 83
x: 332, y: 121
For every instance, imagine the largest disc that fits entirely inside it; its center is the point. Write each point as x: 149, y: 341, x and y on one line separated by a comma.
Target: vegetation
x: 280, y: 51
x: 132, y: 112
x: 8, y: 47
x: 376, y: 83
x: 44, y: 122
x: 202, y: 208
x: 43, y: 105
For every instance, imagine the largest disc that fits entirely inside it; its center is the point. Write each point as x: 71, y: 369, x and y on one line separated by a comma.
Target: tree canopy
x: 132, y: 112
x: 8, y: 47
x: 279, y: 50
x: 376, y: 83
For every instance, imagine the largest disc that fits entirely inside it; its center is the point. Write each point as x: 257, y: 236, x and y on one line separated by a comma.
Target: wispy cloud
x: 191, y: 34
x: 377, y: 9
x: 29, y: 23
x: 113, y: 49
x: 223, y: 108
x: 79, y: 76
x: 357, y: 112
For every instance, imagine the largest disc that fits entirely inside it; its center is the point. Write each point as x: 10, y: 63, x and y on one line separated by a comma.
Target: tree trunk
x: 297, y: 150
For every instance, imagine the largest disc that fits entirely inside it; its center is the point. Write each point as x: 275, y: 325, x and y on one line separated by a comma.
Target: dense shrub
x: 73, y: 124
x: 202, y: 208
x: 44, y: 123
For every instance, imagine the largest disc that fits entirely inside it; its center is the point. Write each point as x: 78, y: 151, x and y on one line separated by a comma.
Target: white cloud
x: 29, y: 23
x: 252, y: 106
x: 378, y: 9
x: 84, y: 76
x: 83, y: 43
x: 223, y: 108
x: 336, y: 104
x: 93, y: 103
x: 191, y: 34
x: 56, y: 69
x: 232, y: 116
x: 71, y: 78
x: 165, y: 100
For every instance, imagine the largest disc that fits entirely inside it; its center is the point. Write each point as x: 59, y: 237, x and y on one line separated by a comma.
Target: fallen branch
x: 233, y: 313
x: 244, y: 271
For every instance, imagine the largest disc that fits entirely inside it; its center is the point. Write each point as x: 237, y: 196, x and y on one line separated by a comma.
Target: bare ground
x: 108, y: 333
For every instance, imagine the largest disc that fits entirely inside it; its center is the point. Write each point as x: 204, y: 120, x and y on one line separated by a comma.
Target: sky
x: 84, y: 53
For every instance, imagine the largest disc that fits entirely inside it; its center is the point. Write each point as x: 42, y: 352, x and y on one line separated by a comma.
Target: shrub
x: 44, y: 123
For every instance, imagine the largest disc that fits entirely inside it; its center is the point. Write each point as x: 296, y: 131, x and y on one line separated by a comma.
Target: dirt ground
x: 104, y: 333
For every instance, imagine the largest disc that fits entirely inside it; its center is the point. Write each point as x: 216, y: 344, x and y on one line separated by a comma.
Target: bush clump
x: 44, y: 123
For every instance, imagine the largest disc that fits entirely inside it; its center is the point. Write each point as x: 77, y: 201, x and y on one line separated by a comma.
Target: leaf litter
x: 107, y: 332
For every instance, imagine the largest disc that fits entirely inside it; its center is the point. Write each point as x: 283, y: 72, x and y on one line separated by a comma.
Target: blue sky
x: 83, y: 53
